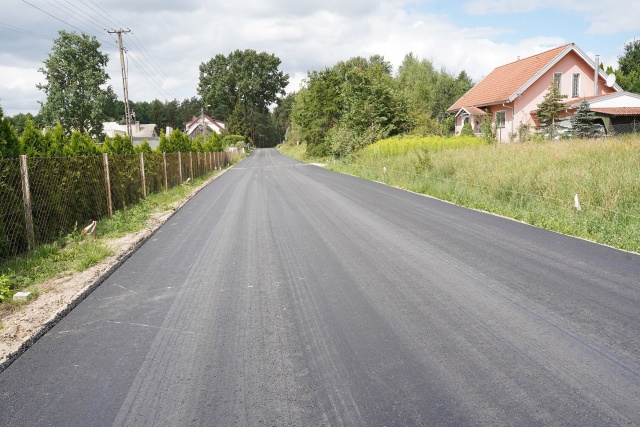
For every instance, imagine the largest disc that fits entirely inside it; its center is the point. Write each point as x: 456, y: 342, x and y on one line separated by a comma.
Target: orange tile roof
x: 505, y: 80
x: 618, y: 111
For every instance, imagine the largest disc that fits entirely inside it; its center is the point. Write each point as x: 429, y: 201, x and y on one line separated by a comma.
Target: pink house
x: 510, y: 94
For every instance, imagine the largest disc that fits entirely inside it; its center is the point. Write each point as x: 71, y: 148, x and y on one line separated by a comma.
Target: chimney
x: 137, y: 128
x: 596, y: 74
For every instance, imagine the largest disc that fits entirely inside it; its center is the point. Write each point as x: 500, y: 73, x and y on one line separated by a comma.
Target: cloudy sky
x: 169, y: 39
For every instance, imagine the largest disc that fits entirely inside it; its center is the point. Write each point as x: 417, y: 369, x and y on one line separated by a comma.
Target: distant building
x: 140, y: 132
x: 195, y: 126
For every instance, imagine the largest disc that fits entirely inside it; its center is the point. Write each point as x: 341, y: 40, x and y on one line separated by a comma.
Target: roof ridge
x: 558, y: 48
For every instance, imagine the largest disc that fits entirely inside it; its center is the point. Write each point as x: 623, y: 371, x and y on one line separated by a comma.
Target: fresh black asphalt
x: 285, y: 294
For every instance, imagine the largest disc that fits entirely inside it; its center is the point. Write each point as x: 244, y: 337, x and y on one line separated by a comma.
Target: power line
x: 155, y: 84
x: 87, y: 15
x: 154, y: 65
x: 118, y: 24
x: 65, y: 22
x: 90, y: 14
x: 23, y: 31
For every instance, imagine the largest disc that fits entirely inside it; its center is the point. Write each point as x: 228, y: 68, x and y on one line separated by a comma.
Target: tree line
x: 359, y: 101
x: 54, y: 142
x: 336, y: 111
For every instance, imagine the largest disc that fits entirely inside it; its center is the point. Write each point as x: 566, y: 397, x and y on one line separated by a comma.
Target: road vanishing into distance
x: 284, y: 294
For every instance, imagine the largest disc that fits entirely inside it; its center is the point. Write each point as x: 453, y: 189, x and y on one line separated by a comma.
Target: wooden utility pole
x: 125, y: 81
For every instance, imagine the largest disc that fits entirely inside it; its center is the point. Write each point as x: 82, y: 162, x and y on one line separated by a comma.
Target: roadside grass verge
x: 299, y: 152
x: 77, y: 252
x: 534, y: 182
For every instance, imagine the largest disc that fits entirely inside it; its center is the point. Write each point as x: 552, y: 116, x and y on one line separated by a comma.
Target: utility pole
x: 125, y: 81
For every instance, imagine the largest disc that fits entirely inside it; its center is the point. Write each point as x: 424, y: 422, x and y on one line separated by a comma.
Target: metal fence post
x: 180, y: 166
x: 26, y: 197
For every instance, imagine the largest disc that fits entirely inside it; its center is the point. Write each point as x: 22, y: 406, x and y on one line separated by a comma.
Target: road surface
x: 285, y: 294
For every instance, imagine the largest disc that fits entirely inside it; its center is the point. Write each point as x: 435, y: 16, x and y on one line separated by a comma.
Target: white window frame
x: 502, y: 113
x: 557, y: 80
x: 575, y: 85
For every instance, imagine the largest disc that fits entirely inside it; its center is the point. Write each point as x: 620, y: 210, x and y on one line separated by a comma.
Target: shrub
x: 467, y: 130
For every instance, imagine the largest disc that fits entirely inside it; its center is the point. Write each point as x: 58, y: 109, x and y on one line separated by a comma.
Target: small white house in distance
x: 195, y: 126
x: 140, y: 132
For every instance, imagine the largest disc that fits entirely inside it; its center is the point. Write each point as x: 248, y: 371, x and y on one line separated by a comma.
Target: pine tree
x: 550, y: 110
x: 582, y: 121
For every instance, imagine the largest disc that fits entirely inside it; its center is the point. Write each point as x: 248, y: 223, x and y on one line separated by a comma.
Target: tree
x: 175, y: 142
x: 10, y: 145
x: 80, y: 145
x: 56, y: 140
x: 19, y: 120
x: 628, y: 73
x: 156, y: 114
x: 582, y: 121
x: 317, y: 108
x: 430, y: 93
x: 74, y: 73
x: 550, y: 110
x: 282, y: 117
x: 244, y: 78
x: 348, y: 106
x: 33, y: 141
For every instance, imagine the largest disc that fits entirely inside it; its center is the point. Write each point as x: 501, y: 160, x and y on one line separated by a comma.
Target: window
x: 500, y: 118
x: 557, y: 80
x: 575, y: 86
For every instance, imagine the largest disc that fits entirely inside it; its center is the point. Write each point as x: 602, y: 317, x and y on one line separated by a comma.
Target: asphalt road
x: 285, y: 294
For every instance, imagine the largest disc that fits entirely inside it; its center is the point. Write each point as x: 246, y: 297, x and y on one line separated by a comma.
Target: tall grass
x: 535, y: 183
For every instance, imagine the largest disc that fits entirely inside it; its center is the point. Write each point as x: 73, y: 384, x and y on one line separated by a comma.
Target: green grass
x: 533, y: 182
x: 299, y: 152
x: 77, y: 252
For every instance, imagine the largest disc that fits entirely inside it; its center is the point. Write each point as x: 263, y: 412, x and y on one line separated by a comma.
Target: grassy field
x: 535, y: 182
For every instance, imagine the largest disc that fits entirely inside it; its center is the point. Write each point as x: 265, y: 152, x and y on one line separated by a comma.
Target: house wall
x: 528, y: 101
x: 617, y: 102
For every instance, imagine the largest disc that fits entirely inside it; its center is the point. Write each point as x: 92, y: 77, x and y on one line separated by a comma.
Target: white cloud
x: 305, y: 35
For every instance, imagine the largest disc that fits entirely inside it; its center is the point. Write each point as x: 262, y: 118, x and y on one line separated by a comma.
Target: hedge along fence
x: 42, y: 199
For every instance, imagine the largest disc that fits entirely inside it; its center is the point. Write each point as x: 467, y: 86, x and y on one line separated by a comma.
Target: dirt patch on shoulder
x: 58, y: 296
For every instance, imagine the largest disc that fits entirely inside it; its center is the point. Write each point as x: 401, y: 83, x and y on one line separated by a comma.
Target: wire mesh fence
x: 626, y: 127
x: 13, y: 236
x: 43, y: 199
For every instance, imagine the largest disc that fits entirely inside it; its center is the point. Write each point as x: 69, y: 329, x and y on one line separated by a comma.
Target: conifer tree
x: 550, y: 111
x: 9, y: 142
x: 582, y: 121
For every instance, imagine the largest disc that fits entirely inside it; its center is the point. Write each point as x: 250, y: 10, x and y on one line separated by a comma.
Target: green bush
x: 467, y: 130
x: 5, y: 289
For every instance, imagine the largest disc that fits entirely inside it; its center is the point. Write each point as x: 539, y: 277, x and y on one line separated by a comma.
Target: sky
x: 169, y: 39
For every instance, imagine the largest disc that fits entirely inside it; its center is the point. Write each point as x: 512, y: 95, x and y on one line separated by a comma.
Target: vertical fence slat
x: 191, y: 165
x: 144, y: 184
x: 164, y: 162
x: 26, y: 197
x: 180, y: 166
x: 107, y: 181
